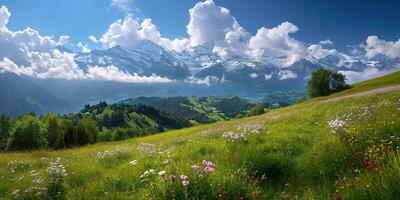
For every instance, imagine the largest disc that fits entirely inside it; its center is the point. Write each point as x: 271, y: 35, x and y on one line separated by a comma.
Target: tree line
x: 29, y: 132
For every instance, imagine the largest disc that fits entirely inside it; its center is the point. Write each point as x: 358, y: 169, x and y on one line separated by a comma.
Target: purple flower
x: 185, y: 183
x: 204, y: 162
x: 196, y: 167
x: 208, y: 169
x: 210, y: 164
x: 184, y: 178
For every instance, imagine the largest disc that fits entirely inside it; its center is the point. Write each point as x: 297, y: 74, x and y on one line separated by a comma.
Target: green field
x: 324, y: 148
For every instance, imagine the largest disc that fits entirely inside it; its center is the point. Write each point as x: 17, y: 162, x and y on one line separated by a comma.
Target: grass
x: 288, y: 153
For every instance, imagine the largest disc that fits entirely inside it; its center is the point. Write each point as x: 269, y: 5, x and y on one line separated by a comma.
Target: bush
x: 106, y: 135
x: 120, y: 134
x: 324, y: 82
x: 257, y: 110
x: 27, y: 133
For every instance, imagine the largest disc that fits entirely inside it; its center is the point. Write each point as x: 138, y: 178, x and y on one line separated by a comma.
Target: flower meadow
x: 345, y: 149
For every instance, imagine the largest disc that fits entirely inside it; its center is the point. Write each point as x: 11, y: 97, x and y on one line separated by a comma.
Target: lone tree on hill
x: 324, y: 82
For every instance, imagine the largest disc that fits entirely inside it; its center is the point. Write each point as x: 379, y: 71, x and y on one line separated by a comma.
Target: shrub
x: 27, y: 133
x: 106, y: 135
x: 257, y: 110
x: 324, y: 82
x: 119, y: 134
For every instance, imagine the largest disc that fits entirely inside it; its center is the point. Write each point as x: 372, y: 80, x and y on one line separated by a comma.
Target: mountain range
x: 198, y: 72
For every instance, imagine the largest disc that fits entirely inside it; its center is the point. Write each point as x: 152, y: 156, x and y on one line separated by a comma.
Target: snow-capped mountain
x: 146, y: 59
x: 201, y: 65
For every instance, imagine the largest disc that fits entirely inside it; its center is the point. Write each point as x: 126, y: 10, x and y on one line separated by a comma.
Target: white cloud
x: 28, y: 53
x: 84, y: 48
x: 277, y: 42
x: 63, y: 40
x: 367, y: 73
x: 55, y: 65
x: 234, y: 44
x: 376, y: 46
x: 129, y: 32
x: 123, y: 5
x: 123, y: 33
x: 113, y: 73
x: 267, y: 76
x: 93, y: 39
x: 209, y: 23
x: 318, y: 52
x: 253, y: 75
x: 286, y: 74
x: 326, y: 42
x: 208, y: 80
x: 4, y: 16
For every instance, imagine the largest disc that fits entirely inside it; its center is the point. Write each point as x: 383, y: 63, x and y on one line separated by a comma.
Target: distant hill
x: 139, y: 118
x: 200, y: 109
x: 19, y: 96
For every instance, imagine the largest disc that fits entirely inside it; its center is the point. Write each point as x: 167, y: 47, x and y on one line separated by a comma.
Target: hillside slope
x: 19, y: 96
x: 342, y: 149
x: 200, y: 109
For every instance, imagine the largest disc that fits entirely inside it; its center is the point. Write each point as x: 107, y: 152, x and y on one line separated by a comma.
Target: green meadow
x: 343, y: 146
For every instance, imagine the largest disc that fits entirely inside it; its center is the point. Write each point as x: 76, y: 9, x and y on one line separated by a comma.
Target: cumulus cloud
x: 376, y: 46
x: 4, y: 16
x: 113, y: 73
x: 93, y: 39
x: 129, y: 32
x: 55, y: 65
x: 278, y: 43
x: 63, y: 40
x: 29, y: 53
x: 318, y: 52
x: 83, y: 48
x: 208, y: 23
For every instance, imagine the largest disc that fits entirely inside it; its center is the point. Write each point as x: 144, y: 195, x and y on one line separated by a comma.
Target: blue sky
x: 343, y: 22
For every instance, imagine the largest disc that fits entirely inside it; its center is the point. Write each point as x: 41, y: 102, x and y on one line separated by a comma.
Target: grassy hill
x: 345, y: 146
x: 199, y: 109
x: 141, y: 119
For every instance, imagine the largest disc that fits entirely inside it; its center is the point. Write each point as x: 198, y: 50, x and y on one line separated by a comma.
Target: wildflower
x: 210, y: 164
x: 38, y: 180
x: 336, y: 123
x: 196, y: 167
x: 184, y: 178
x: 133, y: 162
x: 151, y: 198
x: 339, y: 197
x: 185, y: 184
x: 161, y: 173
x: 208, y: 169
x: 204, y: 162
x: 201, y: 176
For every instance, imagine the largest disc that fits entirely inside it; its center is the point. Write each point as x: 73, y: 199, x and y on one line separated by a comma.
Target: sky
x: 343, y: 22
x: 33, y: 33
